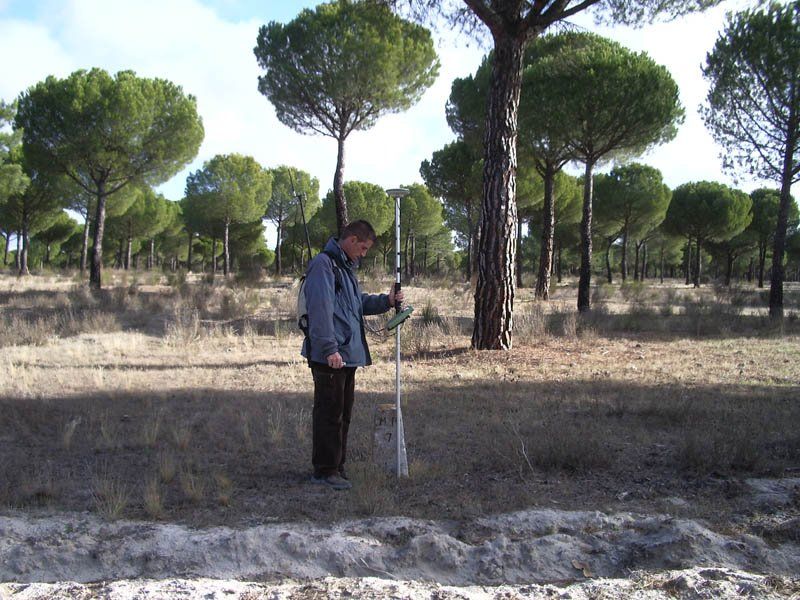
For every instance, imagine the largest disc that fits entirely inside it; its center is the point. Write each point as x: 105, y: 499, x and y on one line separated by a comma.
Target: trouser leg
x: 333, y: 403
x: 349, y: 397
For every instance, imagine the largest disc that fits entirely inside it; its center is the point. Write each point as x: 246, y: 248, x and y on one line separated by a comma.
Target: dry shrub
x: 167, y: 467
x: 224, y: 487
x: 635, y: 292
x: 182, y: 435
x: 729, y: 443
x: 110, y: 431
x: 68, y: 432
x: 151, y: 429
x: 185, y: 328
x: 110, y: 495
x: 563, y: 323
x: 153, y: 498
x: 530, y: 321
x: 302, y: 425
x: 197, y: 297
x: 276, y: 423
x: 35, y: 487
x: 560, y: 442
x: 418, y: 338
x: 372, y: 492
x: 37, y: 329
x: 238, y: 303
x: 247, y: 432
x: 192, y: 485
x: 602, y: 292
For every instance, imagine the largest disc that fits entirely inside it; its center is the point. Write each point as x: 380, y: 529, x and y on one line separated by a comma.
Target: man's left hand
x: 393, y: 298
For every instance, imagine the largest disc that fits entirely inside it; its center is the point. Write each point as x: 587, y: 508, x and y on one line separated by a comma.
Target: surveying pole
x: 400, y: 316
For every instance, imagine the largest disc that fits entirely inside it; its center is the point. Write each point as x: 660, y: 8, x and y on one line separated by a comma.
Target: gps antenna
x: 299, y: 197
x: 399, y: 317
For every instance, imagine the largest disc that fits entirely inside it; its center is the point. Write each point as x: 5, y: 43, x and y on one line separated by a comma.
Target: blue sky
x: 206, y: 47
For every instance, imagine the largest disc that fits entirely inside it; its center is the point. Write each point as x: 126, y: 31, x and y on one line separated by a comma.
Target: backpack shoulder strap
x: 337, y: 270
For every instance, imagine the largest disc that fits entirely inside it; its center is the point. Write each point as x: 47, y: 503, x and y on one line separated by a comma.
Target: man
x: 336, y: 345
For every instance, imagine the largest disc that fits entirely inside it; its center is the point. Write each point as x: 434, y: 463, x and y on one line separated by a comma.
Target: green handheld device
x: 399, y: 318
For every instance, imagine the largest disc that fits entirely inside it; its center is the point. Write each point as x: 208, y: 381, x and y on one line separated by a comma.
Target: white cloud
x: 188, y: 43
x: 30, y: 54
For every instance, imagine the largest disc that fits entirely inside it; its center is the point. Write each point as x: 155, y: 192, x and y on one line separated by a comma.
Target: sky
x: 206, y: 46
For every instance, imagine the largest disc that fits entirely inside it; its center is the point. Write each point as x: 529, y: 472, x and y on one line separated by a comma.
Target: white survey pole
x: 402, y: 459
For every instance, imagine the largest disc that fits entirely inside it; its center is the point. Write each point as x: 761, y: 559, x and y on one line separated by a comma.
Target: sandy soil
x: 691, y: 583
x: 527, y: 554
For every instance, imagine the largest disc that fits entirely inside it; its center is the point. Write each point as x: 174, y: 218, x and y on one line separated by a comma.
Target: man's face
x: 356, y: 249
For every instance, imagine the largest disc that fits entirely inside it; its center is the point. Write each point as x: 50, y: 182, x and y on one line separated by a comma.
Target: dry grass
x: 152, y: 498
x: 181, y: 410
x: 109, y: 493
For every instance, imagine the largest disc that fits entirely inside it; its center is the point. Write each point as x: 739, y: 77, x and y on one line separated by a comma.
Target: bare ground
x: 619, y: 452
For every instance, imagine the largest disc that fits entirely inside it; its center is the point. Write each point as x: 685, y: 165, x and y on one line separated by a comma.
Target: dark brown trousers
x: 333, y: 405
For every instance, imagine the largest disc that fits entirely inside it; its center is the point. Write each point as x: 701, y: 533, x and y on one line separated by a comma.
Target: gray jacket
x: 336, y: 310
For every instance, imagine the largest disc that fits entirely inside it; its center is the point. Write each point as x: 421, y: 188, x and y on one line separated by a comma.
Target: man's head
x: 356, y: 238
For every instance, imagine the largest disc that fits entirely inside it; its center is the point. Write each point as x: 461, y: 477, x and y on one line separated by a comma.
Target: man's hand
x: 335, y: 361
x: 393, y: 299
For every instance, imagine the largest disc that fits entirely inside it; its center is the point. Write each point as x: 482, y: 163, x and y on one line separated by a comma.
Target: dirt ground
x: 655, y: 451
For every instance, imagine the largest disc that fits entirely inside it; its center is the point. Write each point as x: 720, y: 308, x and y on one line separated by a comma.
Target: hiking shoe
x: 343, y: 474
x: 334, y: 481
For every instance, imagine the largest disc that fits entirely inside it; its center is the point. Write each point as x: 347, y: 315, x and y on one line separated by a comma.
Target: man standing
x: 336, y: 344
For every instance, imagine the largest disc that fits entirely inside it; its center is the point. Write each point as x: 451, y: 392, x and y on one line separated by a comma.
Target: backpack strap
x: 337, y: 270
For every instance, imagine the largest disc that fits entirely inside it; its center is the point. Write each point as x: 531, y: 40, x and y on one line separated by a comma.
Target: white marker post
x: 402, y: 459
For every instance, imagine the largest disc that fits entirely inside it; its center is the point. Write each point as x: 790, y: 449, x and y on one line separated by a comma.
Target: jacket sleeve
x: 320, y: 298
x: 374, y: 304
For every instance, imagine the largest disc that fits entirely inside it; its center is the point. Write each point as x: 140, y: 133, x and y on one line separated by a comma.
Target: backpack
x: 302, y: 311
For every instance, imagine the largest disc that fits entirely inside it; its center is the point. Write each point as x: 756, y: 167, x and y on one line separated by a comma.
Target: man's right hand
x: 335, y: 361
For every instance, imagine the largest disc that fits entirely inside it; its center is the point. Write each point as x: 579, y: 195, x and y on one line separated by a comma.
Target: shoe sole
x: 338, y: 488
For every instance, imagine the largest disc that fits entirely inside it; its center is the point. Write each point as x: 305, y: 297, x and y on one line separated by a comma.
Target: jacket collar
x: 333, y: 246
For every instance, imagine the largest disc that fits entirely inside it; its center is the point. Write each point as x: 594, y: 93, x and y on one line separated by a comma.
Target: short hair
x: 361, y: 229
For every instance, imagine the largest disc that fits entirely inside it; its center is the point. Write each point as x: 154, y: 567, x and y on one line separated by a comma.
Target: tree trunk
x: 469, y: 257
x: 494, y: 295
x: 214, y: 256
x: 762, y: 258
x: 609, y: 275
x: 471, y: 244
x: 624, y: 258
x: 519, y: 253
x: 95, y: 275
x: 585, y: 280
x: 413, y: 260
x: 18, y: 252
x: 23, y: 260
x: 779, y: 243
x: 151, y: 256
x: 548, y: 233
x: 636, y: 262
x: 644, y: 261
x: 128, y: 253
x: 661, y: 263
x: 558, y: 265
x: 226, y: 263
x: 190, y: 254
x: 688, y: 261
x: 697, y: 263
x: 728, y: 269
x: 278, y: 256
x: 85, y: 243
x: 425, y: 257
x: 404, y: 257
x: 7, y: 245
x: 338, y: 187
x: 119, y: 260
